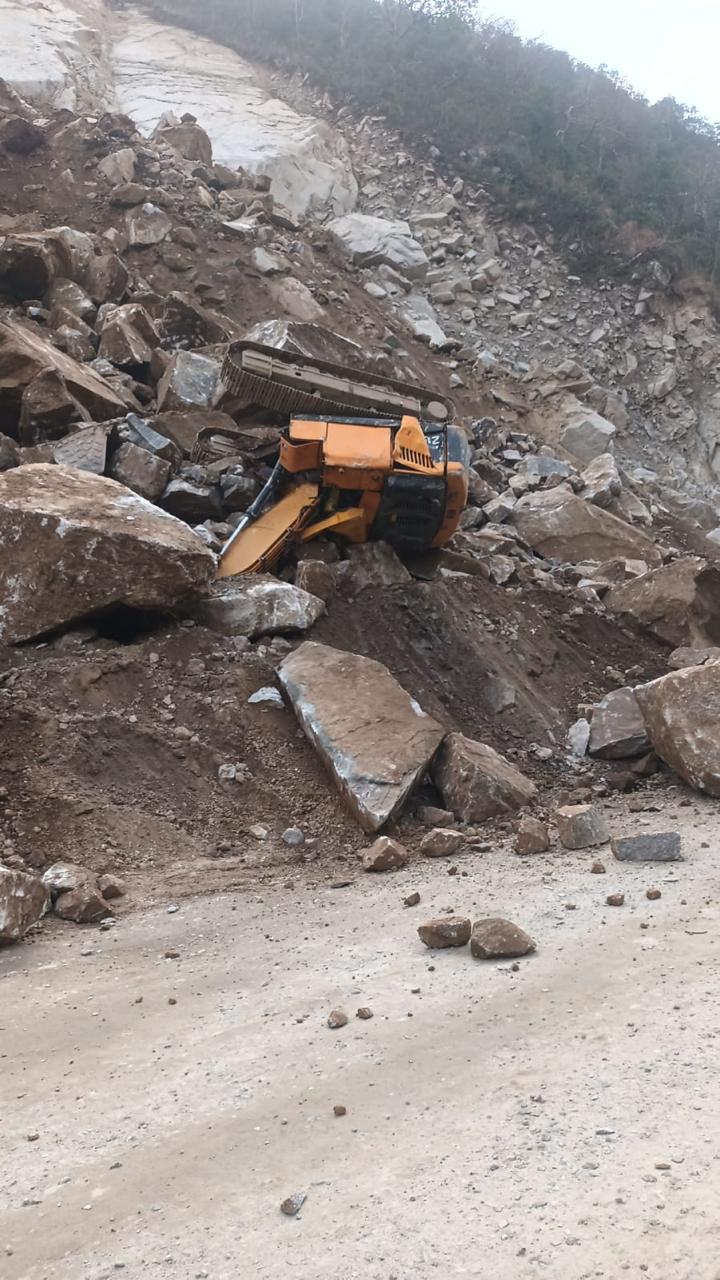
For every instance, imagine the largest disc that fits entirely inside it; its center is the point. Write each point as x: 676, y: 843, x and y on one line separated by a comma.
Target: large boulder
x: 476, y: 782
x: 682, y: 718
x: 23, y: 355
x: 369, y: 241
x: 371, y: 735
x: 23, y: 901
x: 679, y: 602
x: 561, y: 526
x: 259, y: 605
x: 617, y: 730
x: 73, y: 543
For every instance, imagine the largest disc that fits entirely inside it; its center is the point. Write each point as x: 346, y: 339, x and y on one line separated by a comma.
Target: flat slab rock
x: 375, y: 739
x: 73, y: 543
x: 259, y: 605
x: 662, y: 846
x: 24, y: 900
x: 682, y: 714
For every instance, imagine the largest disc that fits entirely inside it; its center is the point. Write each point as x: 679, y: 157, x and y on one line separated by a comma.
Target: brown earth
x: 112, y: 749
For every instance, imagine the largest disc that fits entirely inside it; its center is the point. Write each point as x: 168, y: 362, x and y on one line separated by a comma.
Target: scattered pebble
x: 598, y: 869
x: 364, y: 1014
x: 339, y: 1110
x: 412, y: 900
x: 293, y: 1204
x: 615, y: 900
x: 653, y: 894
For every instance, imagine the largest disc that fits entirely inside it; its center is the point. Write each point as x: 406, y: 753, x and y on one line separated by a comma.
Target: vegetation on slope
x: 546, y: 136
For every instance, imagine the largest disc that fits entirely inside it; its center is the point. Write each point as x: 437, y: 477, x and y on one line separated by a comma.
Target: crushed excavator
x: 394, y: 469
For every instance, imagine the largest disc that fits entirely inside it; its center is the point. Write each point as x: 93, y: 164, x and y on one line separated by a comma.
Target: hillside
x: 312, y: 880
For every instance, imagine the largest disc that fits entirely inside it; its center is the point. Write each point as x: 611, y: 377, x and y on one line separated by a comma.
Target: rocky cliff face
x: 85, y: 56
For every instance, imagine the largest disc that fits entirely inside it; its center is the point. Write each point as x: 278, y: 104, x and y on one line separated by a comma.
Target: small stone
x: 441, y: 842
x: 532, y: 836
x: 580, y: 826
x: 293, y: 1204
x: 338, y: 1018
x: 598, y: 869
x: 364, y: 1014
x: 385, y: 855
x: 445, y: 931
x: 111, y: 887
x: 33, y: 1137
x: 497, y: 939
x: 339, y: 1111
x: 658, y: 847
x: 293, y: 836
x: 267, y: 696
x: 653, y: 895
x: 412, y: 900
x: 615, y: 900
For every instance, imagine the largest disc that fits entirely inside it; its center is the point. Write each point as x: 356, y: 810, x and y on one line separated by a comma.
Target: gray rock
x: 266, y: 696
x: 580, y: 826
x: 190, y: 381
x: 375, y: 564
x: 561, y: 526
x: 658, y: 847
x: 679, y: 602
x: 601, y: 481
x: 617, y: 729
x: 372, y: 736
x: 147, y: 225
x: 587, y: 435
x: 293, y: 837
x: 259, y: 605
x: 140, y: 471
x: 578, y: 737
x: 370, y: 241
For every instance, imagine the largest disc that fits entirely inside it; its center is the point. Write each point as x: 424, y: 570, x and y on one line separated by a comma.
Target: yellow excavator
x: 364, y: 457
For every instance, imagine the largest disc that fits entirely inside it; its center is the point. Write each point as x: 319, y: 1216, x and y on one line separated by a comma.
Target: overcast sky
x: 665, y: 48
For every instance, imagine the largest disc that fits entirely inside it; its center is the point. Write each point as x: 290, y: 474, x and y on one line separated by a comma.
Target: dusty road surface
x: 561, y: 1119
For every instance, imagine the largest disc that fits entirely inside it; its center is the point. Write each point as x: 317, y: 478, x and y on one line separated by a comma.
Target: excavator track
x: 294, y: 384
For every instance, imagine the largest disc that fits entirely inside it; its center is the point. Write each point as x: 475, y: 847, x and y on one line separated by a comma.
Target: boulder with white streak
x: 259, y: 605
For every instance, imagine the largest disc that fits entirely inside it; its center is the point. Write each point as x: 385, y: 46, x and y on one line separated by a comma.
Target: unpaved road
x: 499, y: 1123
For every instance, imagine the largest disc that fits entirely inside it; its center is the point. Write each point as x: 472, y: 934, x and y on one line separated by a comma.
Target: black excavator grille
x: 411, y: 511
